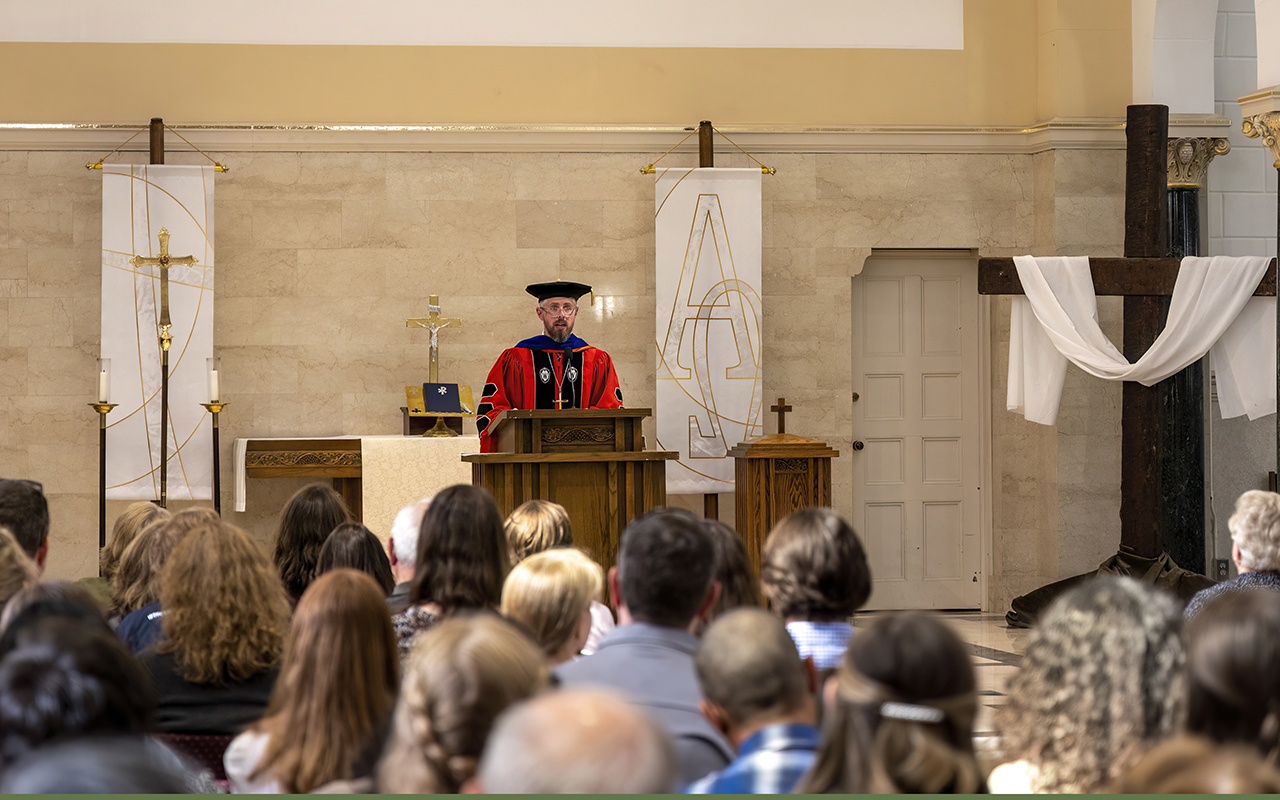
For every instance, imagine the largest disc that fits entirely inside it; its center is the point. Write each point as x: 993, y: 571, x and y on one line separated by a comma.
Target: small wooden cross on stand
x: 1145, y: 278
x: 433, y: 322
x: 781, y: 410
x: 164, y: 261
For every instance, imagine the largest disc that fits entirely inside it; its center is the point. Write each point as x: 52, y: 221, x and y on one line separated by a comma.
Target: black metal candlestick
x: 214, y: 409
x: 103, y: 410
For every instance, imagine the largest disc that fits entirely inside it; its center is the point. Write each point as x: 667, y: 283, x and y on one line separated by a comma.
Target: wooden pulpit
x: 773, y: 476
x: 591, y: 461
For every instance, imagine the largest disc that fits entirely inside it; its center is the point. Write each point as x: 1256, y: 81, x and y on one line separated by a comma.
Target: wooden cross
x: 1145, y: 278
x: 433, y: 322
x: 781, y: 410
x: 164, y: 261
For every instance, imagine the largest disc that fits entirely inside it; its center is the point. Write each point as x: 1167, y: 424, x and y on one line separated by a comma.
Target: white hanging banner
x: 137, y: 201
x: 707, y: 287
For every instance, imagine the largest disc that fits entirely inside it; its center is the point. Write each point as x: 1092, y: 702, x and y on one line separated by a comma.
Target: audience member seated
x: 338, y: 683
x: 17, y: 570
x: 760, y: 695
x: 1255, y: 549
x: 576, y: 742
x: 540, y: 525
x: 461, y: 675
x: 225, y: 618
x: 127, y: 527
x: 402, y: 547
x: 900, y: 713
x: 1103, y: 679
x: 305, y: 522
x: 353, y: 546
x: 662, y: 585
x: 460, y: 565
x: 48, y: 599
x: 739, y: 585
x: 815, y: 574
x: 100, y: 765
x: 1233, y: 664
x: 550, y: 593
x: 137, y: 581
x: 1194, y: 765
x: 25, y: 512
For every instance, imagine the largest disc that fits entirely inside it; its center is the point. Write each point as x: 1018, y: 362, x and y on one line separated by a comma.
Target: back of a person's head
x: 1233, y: 660
x: 462, y: 673
x: 666, y: 566
x: 353, y: 546
x: 305, y: 522
x: 17, y: 570
x: 96, y: 765
x: 49, y: 599
x: 1255, y: 530
x: 577, y: 742
x: 748, y: 667
x: 1195, y: 765
x: 739, y: 585
x: 127, y: 526
x: 136, y: 582
x: 225, y: 612
x: 462, y: 552
x: 1102, y: 679
x: 337, y: 684
x: 902, y: 722
x: 65, y: 679
x: 404, y: 531
x: 549, y: 592
x: 535, y: 526
x: 25, y: 512
x: 815, y: 567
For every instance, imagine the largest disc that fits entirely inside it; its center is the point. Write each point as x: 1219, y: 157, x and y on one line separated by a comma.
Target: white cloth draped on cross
x: 1212, y: 309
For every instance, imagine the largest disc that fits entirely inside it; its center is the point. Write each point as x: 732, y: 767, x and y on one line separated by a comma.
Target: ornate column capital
x: 1189, y: 159
x: 1264, y: 126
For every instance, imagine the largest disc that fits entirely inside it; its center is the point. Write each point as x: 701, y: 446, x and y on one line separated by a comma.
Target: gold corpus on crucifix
x: 433, y: 322
x: 164, y: 261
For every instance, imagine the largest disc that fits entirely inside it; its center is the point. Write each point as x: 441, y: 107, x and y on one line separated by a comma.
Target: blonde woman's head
x: 535, y: 526
x: 550, y: 593
x: 1255, y: 530
x: 128, y: 525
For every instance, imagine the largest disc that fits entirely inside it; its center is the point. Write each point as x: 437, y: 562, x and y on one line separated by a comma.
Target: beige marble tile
x: 260, y: 369
x: 789, y: 271
x: 86, y: 222
x: 245, y: 272
x: 796, y: 178
x: 13, y: 263
x: 345, y: 273
x: 1090, y: 225
x: 382, y: 223
x: 610, y: 271
x: 61, y: 371
x: 357, y: 370
x: 559, y: 223
x: 374, y: 413
x: 65, y: 468
x: 73, y: 533
x: 39, y: 220
x: 297, y: 223
x: 536, y: 176
x: 465, y: 177
x: 234, y: 226
x: 299, y: 414
x: 628, y: 223
x: 86, y: 323
x: 259, y: 174
x: 343, y: 176
x: 13, y: 367
x: 464, y: 224
x: 64, y: 272
x: 605, y: 176
x: 806, y: 224
x: 39, y: 322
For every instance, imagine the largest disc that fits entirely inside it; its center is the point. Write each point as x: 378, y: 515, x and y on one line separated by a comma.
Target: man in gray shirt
x: 663, y: 583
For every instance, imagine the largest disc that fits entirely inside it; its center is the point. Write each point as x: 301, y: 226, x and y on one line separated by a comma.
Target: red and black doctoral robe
x: 539, y: 373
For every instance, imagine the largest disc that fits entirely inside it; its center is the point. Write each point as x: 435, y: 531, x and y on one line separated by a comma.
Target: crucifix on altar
x: 165, y: 334
x: 1145, y: 277
x: 455, y: 395
x: 433, y: 322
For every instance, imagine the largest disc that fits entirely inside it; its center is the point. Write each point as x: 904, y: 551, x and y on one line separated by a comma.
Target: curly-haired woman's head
x: 306, y: 521
x: 137, y: 579
x: 128, y: 525
x: 1255, y: 531
x: 1103, y: 679
x: 901, y: 719
x: 338, y: 683
x: 814, y: 567
x: 353, y: 546
x: 535, y: 526
x: 550, y: 593
x: 461, y: 675
x: 225, y: 612
x: 462, y: 552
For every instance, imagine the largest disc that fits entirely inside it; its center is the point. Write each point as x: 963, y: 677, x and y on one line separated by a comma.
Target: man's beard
x: 559, y: 335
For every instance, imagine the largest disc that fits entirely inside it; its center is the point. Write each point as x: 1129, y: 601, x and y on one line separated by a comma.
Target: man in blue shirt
x: 760, y: 694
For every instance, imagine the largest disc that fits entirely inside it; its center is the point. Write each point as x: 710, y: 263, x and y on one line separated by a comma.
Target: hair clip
x: 911, y: 713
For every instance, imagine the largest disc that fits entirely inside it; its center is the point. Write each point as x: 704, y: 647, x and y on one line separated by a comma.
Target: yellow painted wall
x: 1023, y: 62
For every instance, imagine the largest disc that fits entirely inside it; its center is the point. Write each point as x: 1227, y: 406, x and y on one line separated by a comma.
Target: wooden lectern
x: 773, y: 476
x: 591, y: 461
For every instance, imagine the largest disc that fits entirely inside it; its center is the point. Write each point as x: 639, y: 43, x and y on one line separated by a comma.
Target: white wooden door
x: 916, y: 480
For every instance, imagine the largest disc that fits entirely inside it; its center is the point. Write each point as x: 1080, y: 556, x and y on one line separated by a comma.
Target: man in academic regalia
x: 553, y: 370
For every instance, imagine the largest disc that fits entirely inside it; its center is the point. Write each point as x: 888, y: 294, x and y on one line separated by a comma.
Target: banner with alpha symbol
x: 709, y: 379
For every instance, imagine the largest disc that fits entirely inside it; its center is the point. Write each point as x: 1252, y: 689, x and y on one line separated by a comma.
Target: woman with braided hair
x: 462, y: 673
x: 899, y: 714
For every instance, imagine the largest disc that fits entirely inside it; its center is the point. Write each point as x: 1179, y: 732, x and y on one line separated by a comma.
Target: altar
x: 376, y: 475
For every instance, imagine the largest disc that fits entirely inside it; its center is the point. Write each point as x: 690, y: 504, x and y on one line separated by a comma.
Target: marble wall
x: 322, y: 256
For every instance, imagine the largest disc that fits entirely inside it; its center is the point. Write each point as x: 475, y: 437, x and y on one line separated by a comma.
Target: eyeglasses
x: 560, y: 311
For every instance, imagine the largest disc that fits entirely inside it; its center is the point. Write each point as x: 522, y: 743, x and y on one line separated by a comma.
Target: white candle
x: 104, y: 387
x: 213, y: 386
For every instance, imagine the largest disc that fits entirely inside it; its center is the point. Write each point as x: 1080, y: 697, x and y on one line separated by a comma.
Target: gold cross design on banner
x: 434, y: 322
x: 164, y: 261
